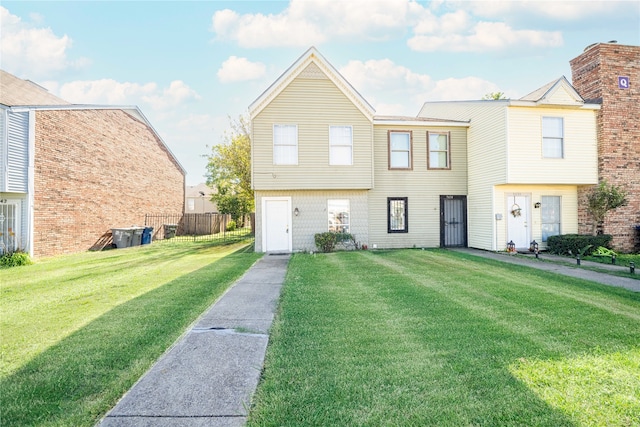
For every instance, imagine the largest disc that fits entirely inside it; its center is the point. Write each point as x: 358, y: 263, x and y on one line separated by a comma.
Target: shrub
x: 231, y: 225
x: 326, y: 242
x: 573, y: 244
x: 15, y: 259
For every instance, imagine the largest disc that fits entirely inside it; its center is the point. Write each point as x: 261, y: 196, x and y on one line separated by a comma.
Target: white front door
x: 276, y: 224
x: 518, y: 229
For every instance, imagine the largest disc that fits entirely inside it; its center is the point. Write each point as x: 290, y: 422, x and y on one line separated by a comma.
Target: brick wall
x: 95, y: 170
x: 595, y: 75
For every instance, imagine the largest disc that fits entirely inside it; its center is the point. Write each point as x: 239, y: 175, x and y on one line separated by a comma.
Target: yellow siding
x: 313, y: 103
x: 422, y: 187
x: 312, y: 217
x: 487, y: 160
x: 526, y: 164
x: 568, y: 210
x: 561, y: 96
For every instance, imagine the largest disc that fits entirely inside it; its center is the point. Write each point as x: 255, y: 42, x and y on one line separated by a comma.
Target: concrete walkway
x: 209, y: 376
x: 565, y: 266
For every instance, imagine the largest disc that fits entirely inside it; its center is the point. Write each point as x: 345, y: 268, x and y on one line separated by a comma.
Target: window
x: 339, y: 216
x: 550, y: 216
x: 285, y: 144
x: 340, y: 145
x: 552, y: 137
x: 400, y: 150
x: 438, y: 147
x: 191, y: 204
x: 397, y: 215
x: 10, y: 236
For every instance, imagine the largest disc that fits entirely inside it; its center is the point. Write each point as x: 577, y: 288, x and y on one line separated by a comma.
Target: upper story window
x: 438, y: 147
x: 552, y: 137
x: 339, y: 216
x: 285, y: 144
x: 340, y: 145
x: 400, y: 144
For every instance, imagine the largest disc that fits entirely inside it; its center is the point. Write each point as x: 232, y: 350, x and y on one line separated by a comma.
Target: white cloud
x: 485, y: 36
x: 258, y: 30
x: 467, y: 88
x: 33, y: 52
x: 237, y: 69
x: 561, y: 10
x: 105, y: 91
x: 176, y: 94
x: 382, y: 73
x: 108, y: 91
x: 393, y: 89
x: 312, y: 22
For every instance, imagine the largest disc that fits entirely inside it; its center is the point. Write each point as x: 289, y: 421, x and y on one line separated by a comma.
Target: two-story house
x: 527, y: 159
x: 70, y: 173
x: 323, y: 161
x: 452, y: 176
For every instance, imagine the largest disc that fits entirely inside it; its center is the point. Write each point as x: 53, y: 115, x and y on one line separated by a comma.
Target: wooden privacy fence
x: 204, y: 226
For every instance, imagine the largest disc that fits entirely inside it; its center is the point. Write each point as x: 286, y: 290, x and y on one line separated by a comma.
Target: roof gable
x: 557, y: 92
x: 311, y: 65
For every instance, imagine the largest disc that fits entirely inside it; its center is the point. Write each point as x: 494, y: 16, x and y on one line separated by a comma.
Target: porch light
x: 535, y: 248
x: 511, y: 247
x: 537, y: 205
x: 296, y: 212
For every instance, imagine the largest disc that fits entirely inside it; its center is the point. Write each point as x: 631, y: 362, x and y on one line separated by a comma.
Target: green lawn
x: 79, y: 330
x: 417, y: 338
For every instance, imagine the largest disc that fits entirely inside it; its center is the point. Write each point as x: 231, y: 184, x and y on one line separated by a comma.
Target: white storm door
x: 276, y: 224
x: 518, y: 229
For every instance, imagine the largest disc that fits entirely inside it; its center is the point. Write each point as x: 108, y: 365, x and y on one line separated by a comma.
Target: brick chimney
x: 609, y: 73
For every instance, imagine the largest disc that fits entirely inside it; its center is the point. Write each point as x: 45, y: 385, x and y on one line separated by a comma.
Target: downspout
x: 30, y: 180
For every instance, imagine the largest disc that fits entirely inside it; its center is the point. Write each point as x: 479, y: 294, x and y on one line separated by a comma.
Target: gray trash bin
x: 136, y: 239
x: 122, y: 237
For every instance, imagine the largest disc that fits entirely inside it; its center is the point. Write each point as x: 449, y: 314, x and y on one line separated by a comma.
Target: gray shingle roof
x: 15, y: 91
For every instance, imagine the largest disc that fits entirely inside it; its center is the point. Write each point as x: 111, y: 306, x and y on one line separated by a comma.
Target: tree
x: 603, y: 198
x: 493, y: 96
x: 229, y: 171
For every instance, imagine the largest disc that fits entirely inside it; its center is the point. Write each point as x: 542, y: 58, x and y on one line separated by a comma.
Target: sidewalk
x: 209, y: 376
x: 562, y: 265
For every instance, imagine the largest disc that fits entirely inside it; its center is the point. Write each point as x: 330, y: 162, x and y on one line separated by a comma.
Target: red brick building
x: 69, y: 173
x: 610, y: 74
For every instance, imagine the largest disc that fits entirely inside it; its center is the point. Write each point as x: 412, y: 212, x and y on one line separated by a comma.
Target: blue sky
x: 189, y: 65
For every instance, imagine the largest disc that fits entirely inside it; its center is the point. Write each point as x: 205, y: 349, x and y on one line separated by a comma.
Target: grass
x: 621, y: 259
x: 414, y: 338
x: 78, y: 331
x: 621, y: 268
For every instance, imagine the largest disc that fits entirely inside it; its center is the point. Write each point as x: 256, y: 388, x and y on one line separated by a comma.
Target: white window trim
x: 555, y: 138
x: 275, y: 143
x: 332, y: 144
